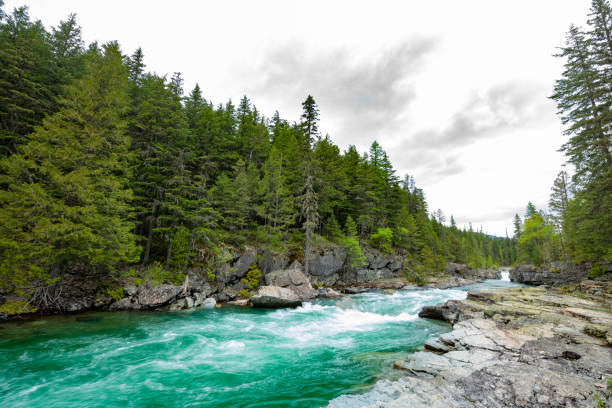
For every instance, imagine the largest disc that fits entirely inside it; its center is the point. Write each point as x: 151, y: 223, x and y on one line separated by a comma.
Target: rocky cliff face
x: 557, y: 273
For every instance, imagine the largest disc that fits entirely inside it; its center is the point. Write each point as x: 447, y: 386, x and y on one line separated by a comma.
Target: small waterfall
x: 505, y: 276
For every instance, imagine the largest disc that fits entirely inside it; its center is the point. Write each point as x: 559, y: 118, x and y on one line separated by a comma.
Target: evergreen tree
x: 277, y: 203
x: 309, y: 200
x: 530, y: 210
x: 517, y: 226
x: 350, y: 227
x: 66, y: 200
x: 333, y: 230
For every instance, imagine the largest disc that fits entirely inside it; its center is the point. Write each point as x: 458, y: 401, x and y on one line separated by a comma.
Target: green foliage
x: 12, y: 307
x: 65, y: 198
x: 157, y: 274
x: 598, y: 401
x: 251, y: 280
x: 350, y: 227
x: 535, y: 242
x: 597, y: 271
x: 382, y: 240
x: 416, y: 275
x: 582, y: 95
x: 180, y: 248
x: 334, y: 232
x: 427, y: 258
x: 115, y: 293
x: 106, y: 165
x: 355, y: 255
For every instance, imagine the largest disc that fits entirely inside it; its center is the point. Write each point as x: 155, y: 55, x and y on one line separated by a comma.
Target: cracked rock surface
x: 512, y: 347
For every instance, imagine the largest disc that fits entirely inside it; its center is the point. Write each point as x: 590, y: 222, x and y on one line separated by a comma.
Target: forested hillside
x: 106, y: 165
x: 578, y: 225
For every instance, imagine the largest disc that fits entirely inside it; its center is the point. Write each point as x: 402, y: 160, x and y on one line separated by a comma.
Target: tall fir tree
x: 67, y: 200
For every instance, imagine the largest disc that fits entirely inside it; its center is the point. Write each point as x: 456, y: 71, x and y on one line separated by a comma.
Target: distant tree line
x: 105, y: 165
x: 578, y: 225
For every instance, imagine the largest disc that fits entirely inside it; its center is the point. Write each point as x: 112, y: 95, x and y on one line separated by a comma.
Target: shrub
x: 251, y: 280
x: 12, y: 307
x: 416, y: 275
x: 382, y: 240
x: 159, y: 275
x: 354, y: 255
x: 597, y: 271
x: 115, y: 293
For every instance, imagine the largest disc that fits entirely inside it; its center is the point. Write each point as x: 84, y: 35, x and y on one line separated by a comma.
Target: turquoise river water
x: 226, y: 357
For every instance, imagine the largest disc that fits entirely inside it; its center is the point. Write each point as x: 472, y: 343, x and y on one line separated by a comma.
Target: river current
x: 226, y: 357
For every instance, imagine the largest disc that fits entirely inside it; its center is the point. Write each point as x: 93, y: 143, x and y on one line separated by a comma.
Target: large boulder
x: 244, y: 262
x: 275, y: 296
x: 375, y: 258
x: 234, y: 266
x: 293, y: 279
x: 209, y: 303
x: 155, y: 296
x: 326, y: 262
x: 560, y: 273
x: 396, y: 263
x: 273, y: 262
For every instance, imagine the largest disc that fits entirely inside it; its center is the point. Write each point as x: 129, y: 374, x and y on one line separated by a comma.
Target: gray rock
x: 292, y: 279
x: 274, y: 297
x: 209, y: 303
x: 198, y: 299
x: 273, y: 262
x: 231, y: 293
x: 396, y: 263
x: 331, y: 294
x: 433, y: 344
x: 366, y: 275
x: 189, y: 303
x: 242, y: 265
x: 155, y: 296
x: 239, y: 302
x: 223, y: 274
x: 376, y: 259
x: 130, y: 289
x: 326, y: 262
x: 126, y: 303
x: 352, y: 290
x: 559, y: 273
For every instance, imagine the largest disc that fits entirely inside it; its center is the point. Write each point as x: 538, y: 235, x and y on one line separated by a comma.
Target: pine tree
x: 28, y: 85
x: 583, y: 102
x: 333, y: 230
x: 67, y: 201
x: 530, y: 210
x: 350, y: 227
x: 277, y: 203
x: 309, y: 200
x: 310, y: 119
x: 517, y: 226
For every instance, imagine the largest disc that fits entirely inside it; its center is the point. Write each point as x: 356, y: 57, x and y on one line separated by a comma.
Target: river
x: 226, y: 357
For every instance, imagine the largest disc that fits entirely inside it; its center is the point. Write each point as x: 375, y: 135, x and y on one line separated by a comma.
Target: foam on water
x: 227, y: 357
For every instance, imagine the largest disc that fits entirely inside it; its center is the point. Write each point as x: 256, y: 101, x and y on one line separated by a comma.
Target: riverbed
x: 226, y: 357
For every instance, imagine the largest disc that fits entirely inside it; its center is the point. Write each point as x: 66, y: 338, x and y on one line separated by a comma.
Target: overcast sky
x: 455, y: 91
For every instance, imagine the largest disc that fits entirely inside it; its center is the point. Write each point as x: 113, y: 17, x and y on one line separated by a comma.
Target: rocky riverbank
x: 558, y: 273
x: 514, y: 347
x: 329, y: 270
